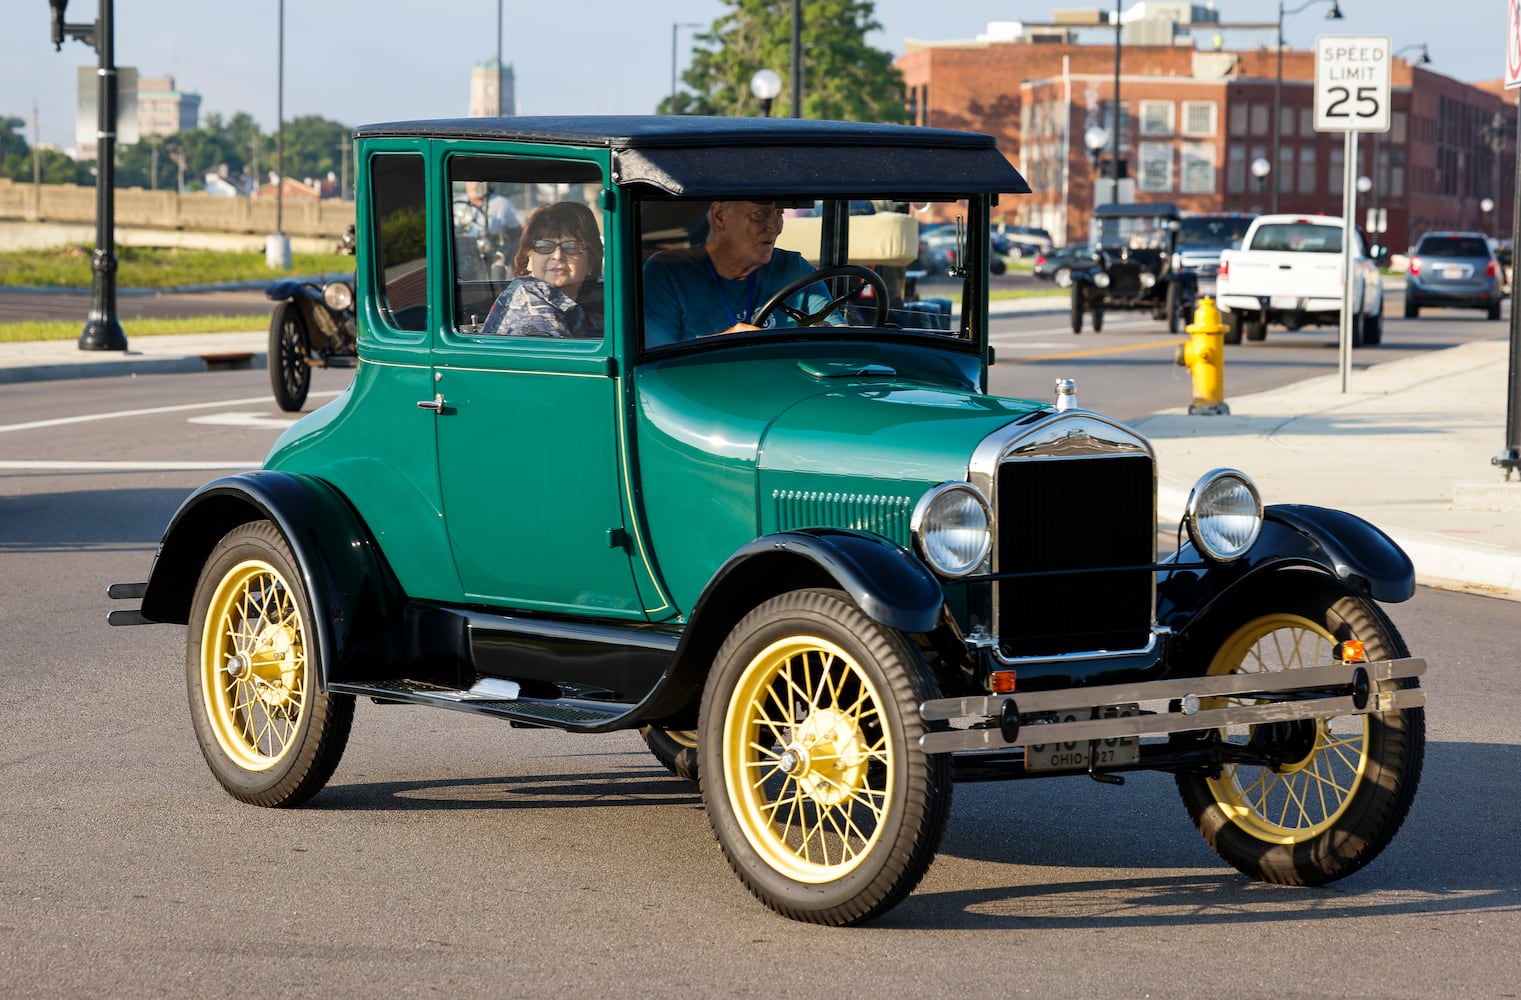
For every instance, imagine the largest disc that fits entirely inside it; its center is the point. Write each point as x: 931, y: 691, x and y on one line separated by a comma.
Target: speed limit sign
x: 1352, y: 83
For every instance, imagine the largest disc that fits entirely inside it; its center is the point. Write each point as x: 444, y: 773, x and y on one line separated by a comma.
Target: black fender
x: 355, y: 599
x: 293, y: 288
x: 890, y: 584
x: 1344, y: 545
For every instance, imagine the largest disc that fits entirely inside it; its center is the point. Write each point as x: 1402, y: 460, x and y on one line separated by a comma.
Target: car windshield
x: 1453, y: 246
x: 1213, y: 231
x: 1137, y: 232
x: 715, y: 267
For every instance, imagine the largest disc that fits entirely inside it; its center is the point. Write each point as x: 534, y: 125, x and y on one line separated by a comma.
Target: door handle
x: 436, y: 404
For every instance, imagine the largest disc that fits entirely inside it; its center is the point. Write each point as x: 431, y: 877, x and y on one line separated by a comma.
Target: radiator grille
x: 886, y: 515
x: 1074, y: 514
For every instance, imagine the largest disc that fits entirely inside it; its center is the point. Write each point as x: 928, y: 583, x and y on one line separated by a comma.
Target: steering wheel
x: 864, y: 274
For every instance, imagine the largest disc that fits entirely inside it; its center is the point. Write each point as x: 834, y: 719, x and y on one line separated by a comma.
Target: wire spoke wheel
x: 268, y: 732
x: 290, y: 376
x: 810, y: 765
x: 1329, y: 794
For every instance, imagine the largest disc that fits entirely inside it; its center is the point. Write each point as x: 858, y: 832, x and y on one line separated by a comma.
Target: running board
x: 493, y: 696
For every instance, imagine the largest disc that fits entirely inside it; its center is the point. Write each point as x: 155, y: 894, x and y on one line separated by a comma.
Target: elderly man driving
x: 719, y: 287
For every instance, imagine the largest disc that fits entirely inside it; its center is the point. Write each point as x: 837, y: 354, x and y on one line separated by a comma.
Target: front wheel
x: 1233, y: 325
x: 270, y: 736
x: 812, y: 775
x: 1340, y: 788
x: 1077, y: 308
x: 289, y: 375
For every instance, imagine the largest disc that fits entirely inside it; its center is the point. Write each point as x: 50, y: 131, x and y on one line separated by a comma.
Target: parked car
x: 1454, y: 269
x: 942, y: 249
x: 1057, y: 265
x: 818, y: 566
x: 1022, y: 241
x: 1288, y: 270
x: 1134, y: 267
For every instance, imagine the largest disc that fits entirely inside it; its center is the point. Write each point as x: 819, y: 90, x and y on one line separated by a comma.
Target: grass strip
x: 14, y: 333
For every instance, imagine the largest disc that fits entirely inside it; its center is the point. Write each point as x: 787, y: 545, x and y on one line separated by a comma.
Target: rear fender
x: 355, y: 599
x: 1293, y: 535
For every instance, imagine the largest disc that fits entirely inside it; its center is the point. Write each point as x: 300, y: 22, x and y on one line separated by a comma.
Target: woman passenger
x: 560, y: 258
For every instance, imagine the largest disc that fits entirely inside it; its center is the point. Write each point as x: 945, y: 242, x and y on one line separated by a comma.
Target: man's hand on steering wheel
x: 865, y: 275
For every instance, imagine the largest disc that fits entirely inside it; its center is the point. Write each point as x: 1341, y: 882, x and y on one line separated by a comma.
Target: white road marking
x: 70, y: 466
x: 120, y: 414
x: 244, y: 420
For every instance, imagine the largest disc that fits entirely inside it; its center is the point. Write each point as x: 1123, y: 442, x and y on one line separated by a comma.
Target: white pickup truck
x: 1288, y: 271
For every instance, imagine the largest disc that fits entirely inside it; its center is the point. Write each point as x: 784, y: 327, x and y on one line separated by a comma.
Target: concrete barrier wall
x: 171, y: 213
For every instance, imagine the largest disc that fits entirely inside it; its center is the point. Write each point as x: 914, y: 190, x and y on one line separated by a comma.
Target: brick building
x: 1192, y: 122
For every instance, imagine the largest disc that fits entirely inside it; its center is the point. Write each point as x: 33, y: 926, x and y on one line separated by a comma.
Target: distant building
x: 491, y: 90
x: 163, y: 110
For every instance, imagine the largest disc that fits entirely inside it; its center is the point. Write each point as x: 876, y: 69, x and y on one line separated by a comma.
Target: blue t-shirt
x: 684, y: 297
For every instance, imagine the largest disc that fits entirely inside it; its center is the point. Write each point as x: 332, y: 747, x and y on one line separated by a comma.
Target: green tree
x: 843, y: 77
x: 13, y: 144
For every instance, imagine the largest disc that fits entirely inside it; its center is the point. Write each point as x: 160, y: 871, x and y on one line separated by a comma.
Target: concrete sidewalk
x: 1407, y: 447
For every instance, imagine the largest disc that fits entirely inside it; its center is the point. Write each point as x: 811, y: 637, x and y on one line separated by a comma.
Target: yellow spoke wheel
x: 810, y: 765
x: 1328, y: 794
x: 268, y: 732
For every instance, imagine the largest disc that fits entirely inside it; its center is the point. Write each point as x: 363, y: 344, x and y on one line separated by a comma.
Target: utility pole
x: 797, y: 58
x: 102, y: 331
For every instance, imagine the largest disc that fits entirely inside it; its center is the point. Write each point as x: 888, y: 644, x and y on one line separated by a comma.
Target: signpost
x: 1351, y: 96
x: 1509, y: 458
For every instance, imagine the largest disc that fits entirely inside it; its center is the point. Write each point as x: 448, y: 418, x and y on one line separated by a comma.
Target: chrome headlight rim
x: 1206, y: 493
x: 921, y: 526
x: 338, y: 295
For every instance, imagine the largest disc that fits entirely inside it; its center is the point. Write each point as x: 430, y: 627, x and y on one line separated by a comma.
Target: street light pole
x: 797, y: 58
x: 676, y: 26
x: 102, y: 330
x: 1334, y: 14
x: 1114, y: 131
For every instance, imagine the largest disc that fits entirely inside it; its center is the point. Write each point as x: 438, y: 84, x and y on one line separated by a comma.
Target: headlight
x: 1101, y: 279
x: 338, y: 295
x: 1148, y: 279
x: 953, y: 529
x: 1063, y: 278
x: 1224, y: 514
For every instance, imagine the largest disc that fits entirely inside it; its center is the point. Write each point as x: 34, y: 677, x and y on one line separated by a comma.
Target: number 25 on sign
x: 1352, y: 83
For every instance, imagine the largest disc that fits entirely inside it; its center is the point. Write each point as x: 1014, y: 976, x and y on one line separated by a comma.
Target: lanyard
x: 724, y: 298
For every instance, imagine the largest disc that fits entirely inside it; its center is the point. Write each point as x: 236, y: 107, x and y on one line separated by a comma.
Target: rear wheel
x: 1411, y: 310
x: 252, y: 666
x: 1343, y: 786
x: 289, y: 375
x: 1494, y: 311
x: 811, y: 771
x: 675, y: 748
x: 1254, y: 329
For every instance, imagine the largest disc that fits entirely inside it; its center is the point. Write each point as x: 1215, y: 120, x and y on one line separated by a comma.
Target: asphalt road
x: 458, y: 856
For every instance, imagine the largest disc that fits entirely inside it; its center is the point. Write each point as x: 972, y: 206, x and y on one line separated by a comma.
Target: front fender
x: 292, y: 288
x: 355, y: 598
x: 1344, y: 545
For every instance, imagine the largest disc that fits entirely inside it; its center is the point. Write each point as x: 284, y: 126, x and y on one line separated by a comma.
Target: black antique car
x: 1133, y: 253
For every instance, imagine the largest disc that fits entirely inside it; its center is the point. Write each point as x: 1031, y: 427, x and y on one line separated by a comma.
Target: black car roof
x: 1145, y: 208
x: 710, y: 156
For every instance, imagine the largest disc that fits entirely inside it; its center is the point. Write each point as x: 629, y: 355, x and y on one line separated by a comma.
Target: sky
x: 358, y: 61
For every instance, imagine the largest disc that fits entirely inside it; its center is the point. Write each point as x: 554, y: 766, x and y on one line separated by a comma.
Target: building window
x: 1338, y: 164
x: 1307, y: 170
x: 1306, y: 121
x: 1285, y: 121
x: 1285, y: 170
x: 1398, y: 122
x: 1260, y: 119
x: 1199, y: 118
x: 1197, y: 168
x: 1235, y: 169
x: 1156, y: 117
x: 1156, y: 167
x: 1238, y: 120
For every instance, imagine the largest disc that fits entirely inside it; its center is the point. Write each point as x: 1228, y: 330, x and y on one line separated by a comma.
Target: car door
x: 529, y: 451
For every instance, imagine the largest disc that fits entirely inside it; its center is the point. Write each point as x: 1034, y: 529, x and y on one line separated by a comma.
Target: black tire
x: 289, y: 375
x: 675, y: 748
x: 1411, y: 310
x: 1373, y: 328
x: 1494, y: 311
x: 803, y: 679
x: 1233, y: 328
x: 1348, y: 783
x: 1098, y: 319
x: 1254, y: 329
x: 1077, y: 307
x: 1174, y: 307
x: 1358, y: 328
x: 271, y: 736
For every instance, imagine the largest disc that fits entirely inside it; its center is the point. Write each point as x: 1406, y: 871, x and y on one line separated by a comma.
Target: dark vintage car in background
x: 1134, y: 267
x: 821, y: 569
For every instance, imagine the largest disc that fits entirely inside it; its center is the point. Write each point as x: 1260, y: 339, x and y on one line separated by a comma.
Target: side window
x: 528, y: 251
x: 400, y: 236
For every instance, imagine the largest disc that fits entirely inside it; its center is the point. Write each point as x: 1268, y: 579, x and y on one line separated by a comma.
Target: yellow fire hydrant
x: 1204, y: 356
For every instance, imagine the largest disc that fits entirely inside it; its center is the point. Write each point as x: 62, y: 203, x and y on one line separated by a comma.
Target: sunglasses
x: 571, y: 248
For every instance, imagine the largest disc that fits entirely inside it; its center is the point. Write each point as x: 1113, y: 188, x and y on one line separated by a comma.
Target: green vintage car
x: 813, y: 561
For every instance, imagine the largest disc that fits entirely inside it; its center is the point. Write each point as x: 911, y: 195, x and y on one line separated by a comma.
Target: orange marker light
x: 1352, y: 652
x: 1003, y: 682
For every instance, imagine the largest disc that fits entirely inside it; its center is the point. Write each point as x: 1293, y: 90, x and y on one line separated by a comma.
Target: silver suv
x: 1454, y: 269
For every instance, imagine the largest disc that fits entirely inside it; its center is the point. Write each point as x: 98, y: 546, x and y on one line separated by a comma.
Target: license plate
x: 1455, y: 272
x: 1285, y: 302
x: 1076, y: 756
